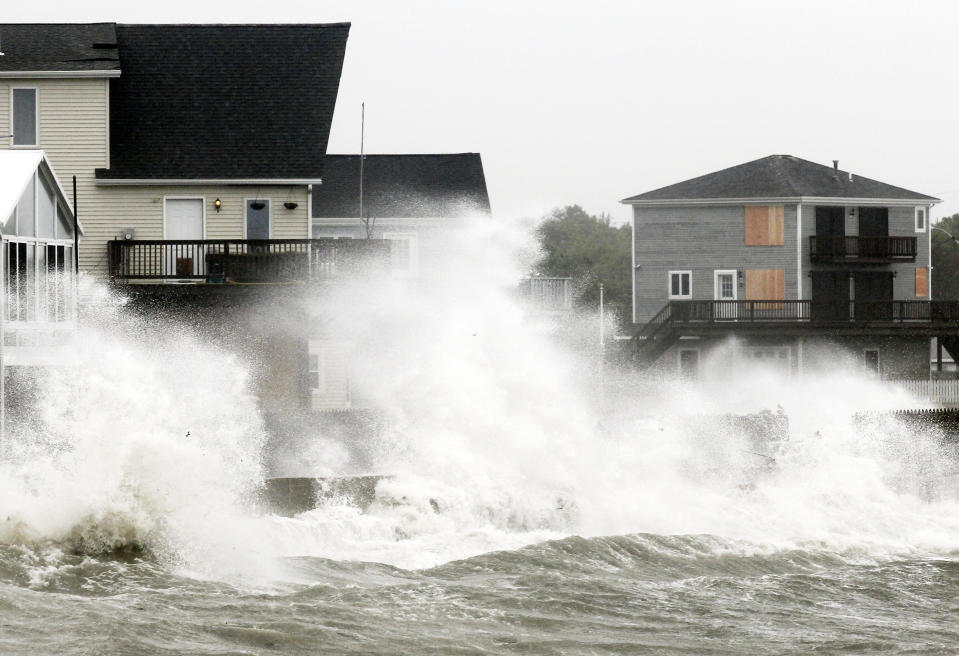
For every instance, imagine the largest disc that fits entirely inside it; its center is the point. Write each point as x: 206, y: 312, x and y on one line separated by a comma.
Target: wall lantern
x: 217, y: 204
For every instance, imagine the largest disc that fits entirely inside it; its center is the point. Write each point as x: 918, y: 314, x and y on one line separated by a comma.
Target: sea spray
x: 497, y: 438
x: 148, y: 440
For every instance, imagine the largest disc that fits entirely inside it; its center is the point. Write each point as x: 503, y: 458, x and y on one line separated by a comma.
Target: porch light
x: 217, y: 204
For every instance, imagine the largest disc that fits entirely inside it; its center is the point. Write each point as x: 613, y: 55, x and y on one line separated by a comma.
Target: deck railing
x: 244, y: 260
x: 547, y: 294
x: 840, y: 248
x: 810, y: 311
x: 934, y: 391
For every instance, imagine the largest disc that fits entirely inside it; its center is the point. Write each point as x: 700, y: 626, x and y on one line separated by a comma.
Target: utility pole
x: 602, y: 349
x: 362, y: 135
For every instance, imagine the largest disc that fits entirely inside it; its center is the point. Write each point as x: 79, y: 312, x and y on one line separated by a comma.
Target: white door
x: 183, y: 220
x: 724, y: 289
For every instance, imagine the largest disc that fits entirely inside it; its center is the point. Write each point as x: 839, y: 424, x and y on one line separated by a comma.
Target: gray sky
x: 591, y: 102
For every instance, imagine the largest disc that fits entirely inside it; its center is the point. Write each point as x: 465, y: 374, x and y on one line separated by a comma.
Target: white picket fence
x: 935, y: 391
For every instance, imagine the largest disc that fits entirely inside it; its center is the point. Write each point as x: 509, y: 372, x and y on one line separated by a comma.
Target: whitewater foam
x: 497, y: 439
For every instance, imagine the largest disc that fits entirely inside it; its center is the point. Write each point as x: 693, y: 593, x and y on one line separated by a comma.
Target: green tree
x: 591, y: 251
x: 945, y: 259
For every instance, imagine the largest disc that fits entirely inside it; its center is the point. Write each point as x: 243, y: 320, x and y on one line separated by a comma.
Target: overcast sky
x: 591, y: 102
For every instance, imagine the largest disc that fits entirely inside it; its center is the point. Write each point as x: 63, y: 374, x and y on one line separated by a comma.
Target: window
x: 680, y: 284
x: 725, y: 285
x: 689, y: 364
x: 316, y: 372
x: 46, y: 209
x: 920, y: 219
x: 23, y: 117
x: 871, y: 360
x: 770, y: 356
x: 404, y: 258
x: 764, y: 225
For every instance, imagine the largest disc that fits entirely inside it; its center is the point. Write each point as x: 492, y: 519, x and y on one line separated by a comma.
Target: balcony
x: 813, y: 312
x: 862, y: 250
x: 220, y: 261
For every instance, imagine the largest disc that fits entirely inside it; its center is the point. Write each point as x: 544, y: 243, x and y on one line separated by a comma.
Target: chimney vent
x: 835, y: 165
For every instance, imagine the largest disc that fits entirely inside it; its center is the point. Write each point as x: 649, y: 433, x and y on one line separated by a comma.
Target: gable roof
x: 402, y: 186
x: 16, y: 169
x: 64, y: 47
x: 779, y: 176
x: 213, y: 102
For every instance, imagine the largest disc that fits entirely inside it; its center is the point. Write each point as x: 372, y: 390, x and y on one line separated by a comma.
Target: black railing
x: 828, y: 248
x: 245, y: 260
x: 805, y: 311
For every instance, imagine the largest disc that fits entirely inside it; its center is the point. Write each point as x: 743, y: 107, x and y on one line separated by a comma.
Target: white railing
x: 548, y: 294
x: 935, y: 391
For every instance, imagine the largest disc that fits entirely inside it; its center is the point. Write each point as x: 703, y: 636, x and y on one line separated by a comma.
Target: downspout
x: 929, y: 247
x: 309, y: 211
x: 76, y: 231
x: 799, y: 251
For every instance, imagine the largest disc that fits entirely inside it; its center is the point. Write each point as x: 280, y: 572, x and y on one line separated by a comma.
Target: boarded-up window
x: 766, y: 285
x: 921, y: 288
x: 764, y: 225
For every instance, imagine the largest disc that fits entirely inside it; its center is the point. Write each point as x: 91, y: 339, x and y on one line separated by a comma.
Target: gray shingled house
x: 795, y: 259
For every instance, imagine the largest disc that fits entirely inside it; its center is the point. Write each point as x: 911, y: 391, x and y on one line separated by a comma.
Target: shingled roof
x: 66, y: 47
x: 779, y: 176
x: 402, y: 186
x: 251, y: 102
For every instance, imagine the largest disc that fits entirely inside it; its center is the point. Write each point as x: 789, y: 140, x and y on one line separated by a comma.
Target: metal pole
x: 362, y: 131
x: 602, y: 322
x: 602, y: 349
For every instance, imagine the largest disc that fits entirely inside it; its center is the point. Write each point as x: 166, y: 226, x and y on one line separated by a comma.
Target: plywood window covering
x: 766, y: 284
x: 764, y: 225
x: 921, y: 287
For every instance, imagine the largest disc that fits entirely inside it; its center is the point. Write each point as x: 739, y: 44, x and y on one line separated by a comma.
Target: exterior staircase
x: 656, y: 336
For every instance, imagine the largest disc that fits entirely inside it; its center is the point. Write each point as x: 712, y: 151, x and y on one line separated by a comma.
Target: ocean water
x: 522, y: 511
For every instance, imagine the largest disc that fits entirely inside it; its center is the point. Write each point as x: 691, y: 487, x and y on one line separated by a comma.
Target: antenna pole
x: 362, y: 134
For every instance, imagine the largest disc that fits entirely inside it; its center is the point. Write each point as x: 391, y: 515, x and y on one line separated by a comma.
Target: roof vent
x: 835, y: 170
x: 850, y: 176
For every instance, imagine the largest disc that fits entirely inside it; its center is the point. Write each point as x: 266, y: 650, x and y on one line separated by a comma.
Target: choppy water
x: 614, y: 595
x: 522, y: 515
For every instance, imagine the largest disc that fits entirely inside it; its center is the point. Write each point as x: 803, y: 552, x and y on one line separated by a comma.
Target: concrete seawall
x: 290, y: 496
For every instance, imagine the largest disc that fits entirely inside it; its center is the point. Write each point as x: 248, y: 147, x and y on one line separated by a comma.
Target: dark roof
x: 58, y: 47
x: 402, y: 186
x: 224, y: 101
x: 779, y: 176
